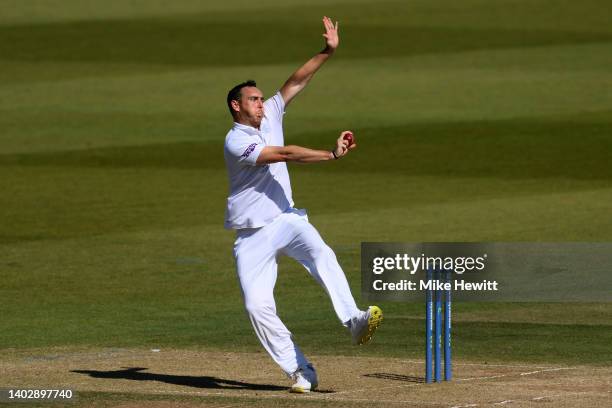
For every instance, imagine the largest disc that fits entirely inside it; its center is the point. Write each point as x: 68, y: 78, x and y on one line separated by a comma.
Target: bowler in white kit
x: 261, y: 210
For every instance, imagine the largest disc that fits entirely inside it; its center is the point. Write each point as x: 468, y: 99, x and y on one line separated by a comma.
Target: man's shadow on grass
x: 136, y: 374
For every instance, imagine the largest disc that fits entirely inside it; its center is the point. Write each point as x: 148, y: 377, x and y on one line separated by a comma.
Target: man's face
x: 251, y: 108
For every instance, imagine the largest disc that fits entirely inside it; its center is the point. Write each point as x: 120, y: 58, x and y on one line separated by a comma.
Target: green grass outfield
x: 476, y: 121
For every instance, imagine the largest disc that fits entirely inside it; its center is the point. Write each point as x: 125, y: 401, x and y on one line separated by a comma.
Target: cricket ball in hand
x: 349, y: 138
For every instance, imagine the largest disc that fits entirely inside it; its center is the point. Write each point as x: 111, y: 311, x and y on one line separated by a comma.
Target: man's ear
x: 235, y: 105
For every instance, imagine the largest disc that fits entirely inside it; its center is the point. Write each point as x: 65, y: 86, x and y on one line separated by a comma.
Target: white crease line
x: 547, y: 397
x: 524, y: 400
x: 548, y: 370
x: 520, y: 374
x: 458, y: 380
x: 482, y: 364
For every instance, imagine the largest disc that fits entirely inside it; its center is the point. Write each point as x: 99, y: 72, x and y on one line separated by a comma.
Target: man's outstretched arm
x: 302, y: 76
x: 299, y: 154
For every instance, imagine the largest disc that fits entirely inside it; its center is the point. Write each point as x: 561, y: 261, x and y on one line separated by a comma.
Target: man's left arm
x: 302, y: 76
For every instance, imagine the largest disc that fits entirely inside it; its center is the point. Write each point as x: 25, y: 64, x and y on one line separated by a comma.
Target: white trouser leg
x: 308, y: 248
x: 255, y: 252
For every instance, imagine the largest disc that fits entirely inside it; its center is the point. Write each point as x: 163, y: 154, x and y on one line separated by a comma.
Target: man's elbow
x: 270, y: 159
x: 279, y: 155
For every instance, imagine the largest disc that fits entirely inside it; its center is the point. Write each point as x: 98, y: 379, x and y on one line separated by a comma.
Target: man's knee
x: 257, y: 307
x: 321, y: 251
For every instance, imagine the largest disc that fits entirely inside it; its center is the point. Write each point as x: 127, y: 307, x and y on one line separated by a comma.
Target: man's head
x: 245, y: 103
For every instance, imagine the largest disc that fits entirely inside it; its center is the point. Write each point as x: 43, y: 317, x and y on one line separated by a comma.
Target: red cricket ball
x: 349, y: 138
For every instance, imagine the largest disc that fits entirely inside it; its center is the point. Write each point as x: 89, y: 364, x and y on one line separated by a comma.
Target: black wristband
x: 334, y: 153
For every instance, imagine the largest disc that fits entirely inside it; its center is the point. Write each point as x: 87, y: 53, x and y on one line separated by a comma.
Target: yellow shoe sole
x: 376, y: 318
x: 299, y: 390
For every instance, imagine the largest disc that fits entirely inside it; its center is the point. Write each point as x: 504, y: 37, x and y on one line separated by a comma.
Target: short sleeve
x: 244, y: 148
x: 274, y: 107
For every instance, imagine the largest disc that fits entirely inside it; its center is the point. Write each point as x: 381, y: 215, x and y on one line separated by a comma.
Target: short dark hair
x: 234, y: 94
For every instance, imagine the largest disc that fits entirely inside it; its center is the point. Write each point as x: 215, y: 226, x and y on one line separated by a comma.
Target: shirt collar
x: 246, y: 128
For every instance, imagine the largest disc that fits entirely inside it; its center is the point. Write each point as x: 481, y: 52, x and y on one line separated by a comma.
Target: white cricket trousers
x: 256, y: 251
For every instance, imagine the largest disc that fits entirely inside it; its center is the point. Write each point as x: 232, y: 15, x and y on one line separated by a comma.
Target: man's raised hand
x: 300, y: 78
x: 331, y: 33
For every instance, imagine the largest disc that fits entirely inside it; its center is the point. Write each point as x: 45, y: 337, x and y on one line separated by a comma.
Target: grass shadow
x: 396, y: 377
x: 137, y: 374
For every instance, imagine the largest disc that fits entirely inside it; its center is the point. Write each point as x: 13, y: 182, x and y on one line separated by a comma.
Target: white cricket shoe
x: 305, y: 379
x: 365, y: 324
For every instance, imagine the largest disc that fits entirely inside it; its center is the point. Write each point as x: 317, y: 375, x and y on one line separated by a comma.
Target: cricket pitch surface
x: 193, y: 378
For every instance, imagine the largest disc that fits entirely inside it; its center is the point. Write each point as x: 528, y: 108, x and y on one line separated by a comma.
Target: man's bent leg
x: 308, y: 248
x: 257, y: 271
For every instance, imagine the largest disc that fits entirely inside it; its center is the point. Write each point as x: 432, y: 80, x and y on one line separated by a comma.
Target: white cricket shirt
x: 258, y: 194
